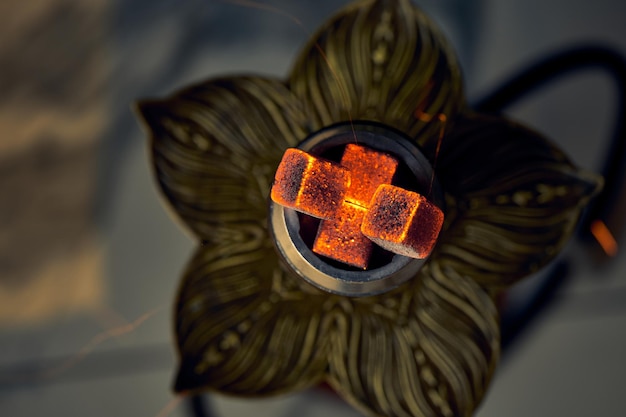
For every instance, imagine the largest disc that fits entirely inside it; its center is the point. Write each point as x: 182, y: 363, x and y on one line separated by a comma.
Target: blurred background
x: 90, y: 260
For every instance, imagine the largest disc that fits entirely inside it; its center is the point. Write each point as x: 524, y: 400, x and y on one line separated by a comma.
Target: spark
x: 605, y: 238
x: 98, y: 339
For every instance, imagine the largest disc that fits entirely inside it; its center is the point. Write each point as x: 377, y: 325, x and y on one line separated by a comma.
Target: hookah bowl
x: 355, y: 222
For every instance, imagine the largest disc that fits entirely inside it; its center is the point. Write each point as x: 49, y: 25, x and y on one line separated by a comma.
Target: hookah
x: 358, y: 222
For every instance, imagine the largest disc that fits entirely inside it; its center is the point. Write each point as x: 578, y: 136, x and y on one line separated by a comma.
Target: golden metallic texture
x: 245, y: 326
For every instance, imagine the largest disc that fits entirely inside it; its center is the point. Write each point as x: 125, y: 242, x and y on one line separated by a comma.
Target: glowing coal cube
x: 310, y: 185
x: 403, y: 222
x: 341, y: 238
x: 369, y: 168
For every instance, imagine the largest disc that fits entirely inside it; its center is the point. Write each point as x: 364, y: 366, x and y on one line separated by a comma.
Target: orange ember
x: 341, y: 238
x: 357, y: 205
x: 604, y: 237
x: 403, y: 222
x: 368, y: 169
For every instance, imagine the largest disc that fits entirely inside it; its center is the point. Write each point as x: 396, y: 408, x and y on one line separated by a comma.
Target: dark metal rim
x: 285, y: 226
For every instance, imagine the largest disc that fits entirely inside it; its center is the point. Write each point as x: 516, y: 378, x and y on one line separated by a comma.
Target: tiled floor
x: 569, y: 363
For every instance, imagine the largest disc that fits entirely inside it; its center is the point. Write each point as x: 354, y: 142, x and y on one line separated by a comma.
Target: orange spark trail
x: 170, y: 406
x: 272, y: 9
x: 97, y: 340
x: 442, y: 119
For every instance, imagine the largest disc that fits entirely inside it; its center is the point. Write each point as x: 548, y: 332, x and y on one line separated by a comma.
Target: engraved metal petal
x: 517, y: 199
x: 215, y: 148
x: 379, y: 60
x: 243, y: 327
x: 427, y: 349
